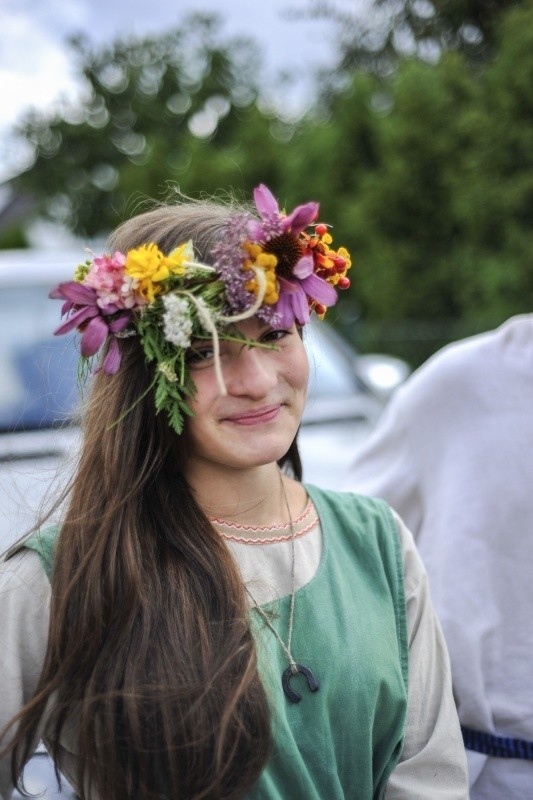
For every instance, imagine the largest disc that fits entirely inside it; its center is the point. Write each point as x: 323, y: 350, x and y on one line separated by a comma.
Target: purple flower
x: 273, y: 222
x: 293, y: 303
x: 298, y: 283
x: 229, y: 255
x: 96, y: 324
x: 278, y: 235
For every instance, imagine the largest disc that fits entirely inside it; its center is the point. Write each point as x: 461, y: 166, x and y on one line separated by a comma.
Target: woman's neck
x: 248, y: 497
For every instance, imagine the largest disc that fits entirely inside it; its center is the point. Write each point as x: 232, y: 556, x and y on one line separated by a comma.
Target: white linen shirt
x: 453, y: 454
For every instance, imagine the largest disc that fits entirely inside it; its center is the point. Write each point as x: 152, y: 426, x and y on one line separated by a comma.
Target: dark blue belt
x: 499, y: 746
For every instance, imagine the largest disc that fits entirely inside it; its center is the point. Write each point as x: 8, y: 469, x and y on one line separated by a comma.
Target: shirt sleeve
x: 433, y: 762
x: 24, y: 616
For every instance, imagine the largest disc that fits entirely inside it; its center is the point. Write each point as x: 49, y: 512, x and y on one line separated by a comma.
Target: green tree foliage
x: 387, y: 169
x: 177, y: 109
x: 495, y: 200
x: 391, y: 29
x: 428, y: 176
x: 403, y: 217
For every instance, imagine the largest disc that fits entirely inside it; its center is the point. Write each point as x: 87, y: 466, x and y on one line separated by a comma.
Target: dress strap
x: 43, y: 541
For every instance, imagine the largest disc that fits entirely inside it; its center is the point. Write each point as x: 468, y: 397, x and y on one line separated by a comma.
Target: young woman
x: 202, y: 624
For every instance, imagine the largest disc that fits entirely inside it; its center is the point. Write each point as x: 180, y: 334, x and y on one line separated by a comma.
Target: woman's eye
x: 200, y: 356
x: 275, y: 336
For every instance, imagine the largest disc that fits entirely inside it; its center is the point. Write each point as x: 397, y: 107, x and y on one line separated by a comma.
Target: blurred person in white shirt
x: 453, y: 455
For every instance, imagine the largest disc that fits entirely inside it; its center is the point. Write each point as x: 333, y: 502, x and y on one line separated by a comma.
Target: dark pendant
x: 312, y: 682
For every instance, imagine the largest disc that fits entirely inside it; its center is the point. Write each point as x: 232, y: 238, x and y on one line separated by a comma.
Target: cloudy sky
x: 34, y: 64
x: 35, y: 69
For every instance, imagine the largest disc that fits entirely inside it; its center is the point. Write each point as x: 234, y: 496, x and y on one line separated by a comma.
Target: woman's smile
x: 256, y: 416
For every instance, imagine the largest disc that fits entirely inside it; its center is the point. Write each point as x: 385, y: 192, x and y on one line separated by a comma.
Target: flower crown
x: 268, y: 267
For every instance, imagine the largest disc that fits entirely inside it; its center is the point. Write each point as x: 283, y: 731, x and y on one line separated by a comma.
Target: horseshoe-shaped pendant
x: 312, y: 682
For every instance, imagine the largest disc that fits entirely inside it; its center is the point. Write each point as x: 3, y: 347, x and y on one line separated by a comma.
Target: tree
x: 392, y: 29
x: 173, y: 109
x: 395, y: 154
x: 496, y: 199
x: 427, y: 174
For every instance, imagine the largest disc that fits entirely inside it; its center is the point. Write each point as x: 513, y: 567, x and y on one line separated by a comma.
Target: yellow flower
x: 253, y: 250
x: 81, y: 272
x: 343, y: 252
x: 268, y: 263
x: 271, y: 295
x: 181, y: 255
x: 149, y: 266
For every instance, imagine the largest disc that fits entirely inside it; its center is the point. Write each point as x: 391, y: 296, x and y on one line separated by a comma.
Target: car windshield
x: 331, y: 363
x: 38, y: 387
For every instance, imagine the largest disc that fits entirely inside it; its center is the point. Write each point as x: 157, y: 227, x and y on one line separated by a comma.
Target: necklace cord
x: 293, y: 668
x: 286, y: 647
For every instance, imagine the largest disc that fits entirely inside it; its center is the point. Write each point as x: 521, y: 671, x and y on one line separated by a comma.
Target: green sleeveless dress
x: 343, y: 741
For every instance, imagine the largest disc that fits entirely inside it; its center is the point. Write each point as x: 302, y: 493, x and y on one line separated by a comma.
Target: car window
x: 331, y: 371
x: 39, y: 372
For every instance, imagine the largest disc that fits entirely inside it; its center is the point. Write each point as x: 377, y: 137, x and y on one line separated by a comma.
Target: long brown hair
x: 150, y: 651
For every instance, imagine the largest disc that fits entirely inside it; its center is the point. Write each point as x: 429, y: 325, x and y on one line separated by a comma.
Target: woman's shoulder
x: 23, y: 578
x: 363, y: 534
x: 42, y: 542
x: 358, y: 509
x: 365, y: 524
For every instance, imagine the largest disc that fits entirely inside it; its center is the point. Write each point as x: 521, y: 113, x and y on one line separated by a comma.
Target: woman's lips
x: 256, y: 417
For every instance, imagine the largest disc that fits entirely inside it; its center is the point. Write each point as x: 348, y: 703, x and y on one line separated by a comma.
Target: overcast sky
x: 35, y: 69
x: 34, y: 63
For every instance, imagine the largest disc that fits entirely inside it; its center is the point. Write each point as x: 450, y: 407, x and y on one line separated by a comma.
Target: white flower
x: 177, y: 323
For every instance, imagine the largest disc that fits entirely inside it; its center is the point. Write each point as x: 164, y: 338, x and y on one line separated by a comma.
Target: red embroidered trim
x: 256, y: 529
x: 243, y: 540
x: 233, y: 531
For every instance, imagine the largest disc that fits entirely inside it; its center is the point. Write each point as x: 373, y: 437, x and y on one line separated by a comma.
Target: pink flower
x: 95, y: 323
x: 293, y: 303
x: 106, y: 276
x: 274, y: 223
x: 280, y: 234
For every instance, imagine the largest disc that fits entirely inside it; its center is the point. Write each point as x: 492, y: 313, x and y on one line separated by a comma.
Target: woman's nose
x: 250, y: 373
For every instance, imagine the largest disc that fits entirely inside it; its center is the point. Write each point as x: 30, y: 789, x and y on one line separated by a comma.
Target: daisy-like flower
x: 150, y: 267
x: 95, y: 324
x: 274, y: 223
x: 281, y: 235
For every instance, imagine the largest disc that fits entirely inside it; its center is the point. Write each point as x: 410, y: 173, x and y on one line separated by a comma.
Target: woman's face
x: 255, y: 423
